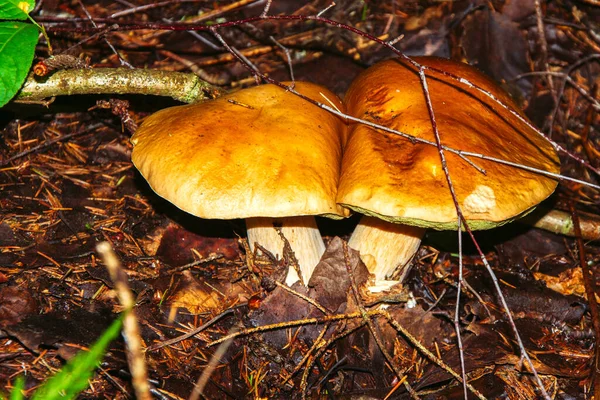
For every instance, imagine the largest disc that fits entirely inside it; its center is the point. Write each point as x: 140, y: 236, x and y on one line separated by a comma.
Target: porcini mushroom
x: 263, y: 154
x: 400, y: 186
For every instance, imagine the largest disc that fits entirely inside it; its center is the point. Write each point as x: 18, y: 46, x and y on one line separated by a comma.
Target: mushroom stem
x: 301, y: 233
x: 385, y: 247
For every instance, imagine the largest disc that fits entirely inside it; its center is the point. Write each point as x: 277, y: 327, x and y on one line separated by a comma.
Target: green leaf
x: 17, y: 391
x: 74, y: 376
x: 16, y: 9
x: 17, y: 45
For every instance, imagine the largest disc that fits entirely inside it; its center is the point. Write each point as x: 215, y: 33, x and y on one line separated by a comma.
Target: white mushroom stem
x: 301, y: 233
x: 385, y: 247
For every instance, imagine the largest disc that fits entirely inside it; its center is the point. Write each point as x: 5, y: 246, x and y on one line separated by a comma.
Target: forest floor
x: 67, y: 183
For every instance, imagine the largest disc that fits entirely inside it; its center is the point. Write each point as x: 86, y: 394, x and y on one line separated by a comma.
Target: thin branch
x: 323, y: 11
x: 288, y: 324
x: 135, y: 9
x: 461, y: 217
x: 371, y: 324
x: 589, y: 283
x: 114, y: 50
x: 561, y: 223
x: 438, y: 141
x: 303, y: 297
x: 461, y: 352
x: 419, y: 67
x: 561, y: 90
x: 316, y: 345
x: 253, y: 68
x: 383, y: 43
x: 544, y: 47
x: 288, y: 57
x: 265, y: 11
x: 563, y: 75
x: 191, y: 333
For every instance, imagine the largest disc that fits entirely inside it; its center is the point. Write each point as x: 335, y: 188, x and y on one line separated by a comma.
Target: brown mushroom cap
x: 258, y: 152
x: 389, y: 177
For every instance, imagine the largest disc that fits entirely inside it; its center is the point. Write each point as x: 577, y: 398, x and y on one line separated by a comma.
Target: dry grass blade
x: 131, y: 331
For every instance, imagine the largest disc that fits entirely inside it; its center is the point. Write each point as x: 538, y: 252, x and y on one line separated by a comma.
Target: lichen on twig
x: 187, y: 88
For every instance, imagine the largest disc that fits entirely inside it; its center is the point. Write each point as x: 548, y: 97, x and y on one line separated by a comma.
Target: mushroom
x: 400, y: 187
x: 263, y: 154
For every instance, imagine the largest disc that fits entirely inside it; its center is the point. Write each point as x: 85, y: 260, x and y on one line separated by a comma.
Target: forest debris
x: 200, y: 296
x: 16, y: 304
x: 66, y: 331
x: 568, y: 282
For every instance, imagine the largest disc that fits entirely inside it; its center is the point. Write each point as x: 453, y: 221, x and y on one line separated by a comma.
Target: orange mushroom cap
x: 387, y: 176
x: 258, y: 152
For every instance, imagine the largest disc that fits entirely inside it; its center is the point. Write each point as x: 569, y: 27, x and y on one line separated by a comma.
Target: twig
x: 288, y: 57
x: 561, y: 90
x: 190, y: 333
x: 461, y: 353
x: 462, y: 218
x: 323, y: 11
x: 316, y: 344
x: 432, y: 357
x: 322, y: 350
x: 89, y: 16
x: 288, y: 324
x: 544, y: 47
x: 595, y: 103
x: 589, y: 282
x: 371, y: 324
x: 193, y: 264
x: 265, y: 11
x: 463, y: 154
x: 303, y: 297
x: 247, y: 63
x: 134, y: 9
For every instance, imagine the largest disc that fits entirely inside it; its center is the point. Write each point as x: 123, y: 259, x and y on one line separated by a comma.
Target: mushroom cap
x: 258, y: 152
x: 387, y: 176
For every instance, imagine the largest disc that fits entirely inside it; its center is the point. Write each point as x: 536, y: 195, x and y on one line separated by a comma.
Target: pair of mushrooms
x: 268, y: 156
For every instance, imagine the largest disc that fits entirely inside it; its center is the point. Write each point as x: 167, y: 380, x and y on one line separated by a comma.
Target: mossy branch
x: 187, y: 88
x: 561, y: 222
